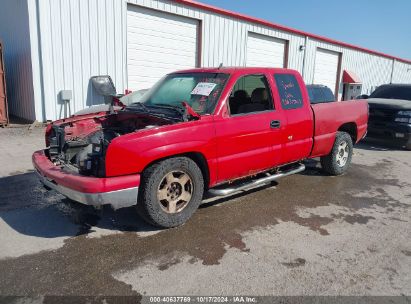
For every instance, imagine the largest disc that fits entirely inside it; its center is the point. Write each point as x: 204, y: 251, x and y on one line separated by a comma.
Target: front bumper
x: 119, y: 192
x: 394, y: 133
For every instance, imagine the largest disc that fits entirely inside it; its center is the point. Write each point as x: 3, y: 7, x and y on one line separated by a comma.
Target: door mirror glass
x: 104, y: 85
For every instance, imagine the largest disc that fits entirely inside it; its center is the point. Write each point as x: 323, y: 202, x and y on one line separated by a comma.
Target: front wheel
x: 170, y: 192
x: 339, y: 159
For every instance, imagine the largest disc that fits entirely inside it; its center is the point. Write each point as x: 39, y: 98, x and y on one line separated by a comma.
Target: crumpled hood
x: 389, y: 104
x: 122, y: 122
x: 96, y: 109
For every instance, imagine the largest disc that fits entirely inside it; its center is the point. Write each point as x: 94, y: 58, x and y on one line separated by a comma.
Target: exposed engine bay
x: 80, y: 145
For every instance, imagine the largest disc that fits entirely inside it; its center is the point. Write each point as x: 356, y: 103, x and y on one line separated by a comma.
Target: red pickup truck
x: 220, y: 130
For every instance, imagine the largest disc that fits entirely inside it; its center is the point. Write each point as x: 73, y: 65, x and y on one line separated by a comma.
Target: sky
x: 380, y: 25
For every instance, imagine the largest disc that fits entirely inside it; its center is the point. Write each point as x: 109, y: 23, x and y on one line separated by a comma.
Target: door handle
x: 275, y: 124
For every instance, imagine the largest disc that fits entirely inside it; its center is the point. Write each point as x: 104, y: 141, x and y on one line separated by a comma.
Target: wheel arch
x: 195, y: 156
x: 351, y: 129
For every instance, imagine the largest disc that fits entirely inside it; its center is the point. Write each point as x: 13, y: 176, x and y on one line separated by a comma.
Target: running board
x: 256, y: 183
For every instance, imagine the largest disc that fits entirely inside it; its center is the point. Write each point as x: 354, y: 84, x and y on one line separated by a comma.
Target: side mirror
x: 104, y: 85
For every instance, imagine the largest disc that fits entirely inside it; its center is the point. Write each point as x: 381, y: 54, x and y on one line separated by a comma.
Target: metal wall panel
x: 78, y: 39
x: 14, y: 32
x: 295, y: 55
x: 401, y: 73
x: 224, y: 39
x: 83, y: 38
x: 373, y: 70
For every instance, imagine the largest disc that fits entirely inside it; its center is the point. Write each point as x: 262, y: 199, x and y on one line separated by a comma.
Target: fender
x: 132, y: 153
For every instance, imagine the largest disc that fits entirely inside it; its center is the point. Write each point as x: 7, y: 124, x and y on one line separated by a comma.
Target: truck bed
x: 332, y: 117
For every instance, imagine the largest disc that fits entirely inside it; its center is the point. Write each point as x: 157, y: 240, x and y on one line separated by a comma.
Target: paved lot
x: 310, y: 234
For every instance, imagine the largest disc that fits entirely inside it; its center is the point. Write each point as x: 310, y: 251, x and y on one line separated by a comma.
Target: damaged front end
x: 82, y: 155
x: 80, y: 145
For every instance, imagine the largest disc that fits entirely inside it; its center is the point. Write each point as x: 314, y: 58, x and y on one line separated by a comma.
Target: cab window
x: 289, y: 90
x: 250, y: 94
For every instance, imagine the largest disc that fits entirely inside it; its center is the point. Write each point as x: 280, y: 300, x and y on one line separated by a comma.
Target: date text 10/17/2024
x: 204, y: 299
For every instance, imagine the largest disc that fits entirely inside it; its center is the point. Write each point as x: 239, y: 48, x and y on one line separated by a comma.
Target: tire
x: 339, y: 159
x: 170, y: 192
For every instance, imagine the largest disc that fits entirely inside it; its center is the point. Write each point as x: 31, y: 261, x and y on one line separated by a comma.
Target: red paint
x: 350, y: 77
x: 329, y: 117
x: 233, y: 147
x: 81, y: 183
x: 190, y: 111
x: 247, y: 18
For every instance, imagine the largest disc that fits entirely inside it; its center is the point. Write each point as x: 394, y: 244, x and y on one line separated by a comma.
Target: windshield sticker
x: 204, y: 88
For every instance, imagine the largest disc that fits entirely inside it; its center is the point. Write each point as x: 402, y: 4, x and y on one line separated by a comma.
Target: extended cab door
x: 247, y: 135
x: 298, y: 114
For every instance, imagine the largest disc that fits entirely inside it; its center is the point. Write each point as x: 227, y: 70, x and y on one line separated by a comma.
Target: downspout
x: 33, y: 7
x: 305, y: 57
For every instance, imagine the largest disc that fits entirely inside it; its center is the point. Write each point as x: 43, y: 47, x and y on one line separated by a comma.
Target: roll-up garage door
x: 326, y: 68
x: 158, y: 43
x: 265, y: 51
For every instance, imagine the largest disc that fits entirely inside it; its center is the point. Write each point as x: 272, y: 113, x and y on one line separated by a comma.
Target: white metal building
x: 54, y: 45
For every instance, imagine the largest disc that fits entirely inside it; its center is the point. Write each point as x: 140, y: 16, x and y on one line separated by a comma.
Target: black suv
x: 320, y: 93
x: 390, y: 114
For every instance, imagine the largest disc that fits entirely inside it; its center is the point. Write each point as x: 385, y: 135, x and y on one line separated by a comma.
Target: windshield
x: 392, y: 92
x: 199, y: 90
x: 133, y: 97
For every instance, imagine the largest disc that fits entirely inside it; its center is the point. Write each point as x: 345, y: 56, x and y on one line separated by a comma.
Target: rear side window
x: 328, y: 95
x: 289, y: 90
x: 320, y: 94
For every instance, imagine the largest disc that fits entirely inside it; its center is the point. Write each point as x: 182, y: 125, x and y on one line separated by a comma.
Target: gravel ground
x: 310, y: 234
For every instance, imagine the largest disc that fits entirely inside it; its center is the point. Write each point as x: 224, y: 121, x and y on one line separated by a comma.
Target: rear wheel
x: 339, y: 159
x: 170, y: 192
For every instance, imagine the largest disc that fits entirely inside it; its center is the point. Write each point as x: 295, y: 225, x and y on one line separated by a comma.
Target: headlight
x: 403, y: 116
x: 403, y: 119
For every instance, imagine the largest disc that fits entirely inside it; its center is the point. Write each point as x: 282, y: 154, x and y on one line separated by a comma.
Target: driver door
x: 247, y: 138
